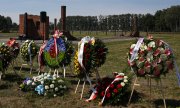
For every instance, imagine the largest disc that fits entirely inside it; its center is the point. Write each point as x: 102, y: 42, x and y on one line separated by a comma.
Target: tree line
x: 6, y: 24
x: 166, y: 20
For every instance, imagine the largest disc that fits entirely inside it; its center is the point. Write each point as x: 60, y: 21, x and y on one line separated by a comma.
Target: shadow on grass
x: 169, y: 103
x: 12, y: 78
x: 5, y: 86
x: 23, y: 69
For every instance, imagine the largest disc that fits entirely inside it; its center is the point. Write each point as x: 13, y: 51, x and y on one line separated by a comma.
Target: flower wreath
x: 110, y: 90
x: 14, y: 45
x: 153, y: 57
x: 5, y: 57
x: 45, y: 85
x: 54, y: 52
x: 94, y: 55
x: 28, y: 50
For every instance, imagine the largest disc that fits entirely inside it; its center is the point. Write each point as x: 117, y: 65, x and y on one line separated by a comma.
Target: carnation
x: 46, y: 87
x: 123, y: 84
x: 52, y: 86
x: 56, y: 89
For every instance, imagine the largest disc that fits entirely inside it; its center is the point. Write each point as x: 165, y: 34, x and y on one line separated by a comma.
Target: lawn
x: 11, y: 96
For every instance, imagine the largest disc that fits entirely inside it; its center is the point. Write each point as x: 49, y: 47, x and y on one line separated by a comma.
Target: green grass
x: 11, y: 96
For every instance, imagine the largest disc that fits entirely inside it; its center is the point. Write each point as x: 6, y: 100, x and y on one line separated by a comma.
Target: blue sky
x: 13, y: 8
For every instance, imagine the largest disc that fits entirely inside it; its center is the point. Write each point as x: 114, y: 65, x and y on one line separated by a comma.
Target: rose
x: 111, y: 85
x: 119, y: 86
x: 108, y: 95
x: 115, y: 91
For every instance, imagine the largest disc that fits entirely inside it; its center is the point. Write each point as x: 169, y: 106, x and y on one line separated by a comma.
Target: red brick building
x: 32, y: 27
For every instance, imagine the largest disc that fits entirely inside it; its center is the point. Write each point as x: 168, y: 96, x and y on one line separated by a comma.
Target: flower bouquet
x: 45, y: 85
x: 28, y: 50
x: 14, y: 46
x: 5, y: 56
x: 93, y: 53
x: 110, y: 90
x: 54, y: 52
x: 153, y: 57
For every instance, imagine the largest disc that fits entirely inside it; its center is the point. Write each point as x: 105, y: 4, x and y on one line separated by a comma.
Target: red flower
x: 108, y: 95
x: 159, y: 42
x: 112, y: 86
x: 169, y: 64
x: 119, y: 86
x: 131, y: 51
x: 102, y: 93
x: 149, y: 48
x: 141, y: 52
x: 156, y: 71
x: 167, y: 52
x: 115, y: 90
x: 157, y: 52
x: 141, y: 59
x: 141, y: 71
x: 147, y: 64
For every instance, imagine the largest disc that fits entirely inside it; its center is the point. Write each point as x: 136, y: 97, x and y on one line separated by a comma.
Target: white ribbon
x: 81, y: 49
x: 80, y: 56
x: 29, y: 51
x: 136, y: 49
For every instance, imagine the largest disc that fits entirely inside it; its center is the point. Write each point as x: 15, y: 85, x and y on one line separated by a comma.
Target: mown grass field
x: 11, y: 96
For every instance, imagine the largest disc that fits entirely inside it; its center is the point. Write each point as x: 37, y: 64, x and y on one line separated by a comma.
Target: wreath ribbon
x: 175, y: 63
x: 80, y: 56
x: 94, y: 94
x: 29, y: 51
x: 40, y: 54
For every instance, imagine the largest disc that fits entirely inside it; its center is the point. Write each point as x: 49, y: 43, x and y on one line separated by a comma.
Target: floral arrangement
x: 54, y: 52
x: 110, y: 90
x: 45, y: 85
x: 94, y: 55
x: 14, y: 46
x: 154, y: 57
x: 68, y: 53
x: 28, y: 50
x: 5, y: 55
x: 57, y: 52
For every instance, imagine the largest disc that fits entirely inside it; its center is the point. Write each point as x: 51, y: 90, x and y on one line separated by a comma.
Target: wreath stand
x: 88, y: 79
x: 149, y: 77
x: 27, y: 64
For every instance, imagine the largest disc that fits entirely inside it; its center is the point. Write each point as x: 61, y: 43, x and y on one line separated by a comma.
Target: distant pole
x: 25, y: 24
x: 63, y: 17
x: 55, y: 24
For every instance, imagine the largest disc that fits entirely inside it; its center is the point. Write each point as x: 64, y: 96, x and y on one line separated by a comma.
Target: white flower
x: 122, y: 74
x: 45, y: 77
x: 46, y: 87
x: 42, y: 82
x: 52, y: 86
x: 45, y: 94
x: 55, y: 95
x: 60, y: 81
x: 33, y: 83
x: 125, y: 77
x: 151, y: 44
x: 125, y: 80
x: 54, y: 75
x: 60, y: 86
x: 56, y: 89
x: 123, y: 84
x: 64, y: 87
x: 48, y: 75
x: 45, y: 74
x: 54, y: 78
x: 132, y: 46
x: 53, y: 82
x: 28, y: 82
